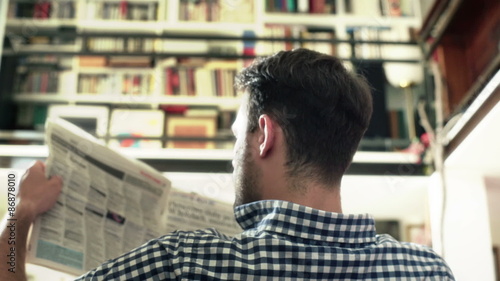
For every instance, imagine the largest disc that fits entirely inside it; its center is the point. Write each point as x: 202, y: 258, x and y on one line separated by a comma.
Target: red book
x: 174, y: 81
x: 284, y: 6
x: 288, y: 34
x: 44, y: 82
x: 136, y: 85
x: 191, y: 83
x: 123, y: 9
x: 168, y: 85
x: 36, y: 11
x: 317, y: 6
x: 174, y: 109
x: 216, y: 81
x: 41, y: 10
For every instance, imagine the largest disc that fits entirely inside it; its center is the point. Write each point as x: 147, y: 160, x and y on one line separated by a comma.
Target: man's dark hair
x: 322, y: 109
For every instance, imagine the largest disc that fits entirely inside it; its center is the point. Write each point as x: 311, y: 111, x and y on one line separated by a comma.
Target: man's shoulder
x: 206, y: 234
x: 170, y: 249
x: 388, y: 242
x: 415, y: 255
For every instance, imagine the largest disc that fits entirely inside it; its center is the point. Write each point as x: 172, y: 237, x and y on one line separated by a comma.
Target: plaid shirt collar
x: 295, y: 220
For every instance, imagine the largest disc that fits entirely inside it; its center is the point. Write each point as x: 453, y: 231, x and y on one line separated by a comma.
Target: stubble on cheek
x: 246, y: 176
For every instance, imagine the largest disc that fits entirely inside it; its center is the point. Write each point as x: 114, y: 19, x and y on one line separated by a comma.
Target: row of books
x: 125, y: 84
x: 298, y: 32
x: 385, y: 51
x: 44, y: 59
x: 37, y: 81
x: 366, y: 51
x: 115, y: 61
x: 302, y: 6
x: 186, y: 127
x: 199, y: 81
x: 122, y: 10
x: 42, y: 9
x: 167, y: 126
x: 201, y: 10
x: 149, y: 45
x: 120, y: 44
x: 115, y: 75
x: 179, y: 81
x: 216, y: 11
x: 46, y: 40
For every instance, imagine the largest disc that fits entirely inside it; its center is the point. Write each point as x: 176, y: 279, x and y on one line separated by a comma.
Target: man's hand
x: 38, y: 194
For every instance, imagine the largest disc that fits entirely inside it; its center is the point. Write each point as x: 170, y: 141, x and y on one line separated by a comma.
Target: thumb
x: 56, y: 181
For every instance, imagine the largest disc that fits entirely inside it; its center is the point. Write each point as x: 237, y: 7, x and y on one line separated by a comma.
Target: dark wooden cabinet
x: 463, y: 35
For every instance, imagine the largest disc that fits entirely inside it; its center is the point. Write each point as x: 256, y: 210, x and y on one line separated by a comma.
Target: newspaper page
x: 109, y: 204
x: 191, y: 211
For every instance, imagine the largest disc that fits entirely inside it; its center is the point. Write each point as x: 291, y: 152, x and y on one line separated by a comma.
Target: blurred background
x: 154, y: 80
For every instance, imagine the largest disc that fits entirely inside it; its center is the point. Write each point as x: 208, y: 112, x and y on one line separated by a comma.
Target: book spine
x: 123, y: 10
x: 303, y: 6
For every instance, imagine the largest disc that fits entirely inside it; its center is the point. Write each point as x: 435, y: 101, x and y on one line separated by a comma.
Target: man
x: 299, y: 125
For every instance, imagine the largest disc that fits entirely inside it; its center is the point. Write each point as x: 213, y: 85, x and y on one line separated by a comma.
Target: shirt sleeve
x: 151, y: 261
x: 441, y: 273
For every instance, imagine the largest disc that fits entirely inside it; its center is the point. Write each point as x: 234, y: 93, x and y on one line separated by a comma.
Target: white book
x: 203, y: 82
x: 303, y: 6
x: 365, y: 7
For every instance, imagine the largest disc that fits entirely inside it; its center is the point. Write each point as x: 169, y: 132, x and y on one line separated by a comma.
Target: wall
x: 493, y: 194
x: 388, y: 198
x: 471, y: 200
x: 466, y: 243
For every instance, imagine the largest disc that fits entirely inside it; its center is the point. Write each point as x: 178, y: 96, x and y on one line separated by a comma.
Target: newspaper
x: 110, y: 204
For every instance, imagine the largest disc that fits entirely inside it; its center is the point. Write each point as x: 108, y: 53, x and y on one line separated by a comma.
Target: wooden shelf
x: 305, y: 19
x: 36, y: 24
x: 332, y: 20
x: 207, y: 27
x: 179, y: 54
x: 219, y: 160
x: 121, y: 26
x: 225, y: 103
x: 115, y: 70
x: 380, y: 21
x: 202, y: 154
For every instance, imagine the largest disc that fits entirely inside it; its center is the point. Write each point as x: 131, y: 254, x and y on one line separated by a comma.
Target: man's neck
x: 310, y: 194
x: 317, y: 197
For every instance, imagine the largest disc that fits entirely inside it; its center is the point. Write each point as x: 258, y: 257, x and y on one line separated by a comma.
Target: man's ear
x: 267, y: 134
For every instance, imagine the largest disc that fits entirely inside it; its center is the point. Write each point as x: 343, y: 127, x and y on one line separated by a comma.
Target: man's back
x: 281, y: 240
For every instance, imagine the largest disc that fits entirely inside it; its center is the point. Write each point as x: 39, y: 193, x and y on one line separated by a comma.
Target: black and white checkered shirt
x: 280, y: 241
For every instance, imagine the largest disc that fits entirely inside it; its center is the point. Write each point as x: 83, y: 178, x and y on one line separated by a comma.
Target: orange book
x: 92, y: 61
x: 197, y: 127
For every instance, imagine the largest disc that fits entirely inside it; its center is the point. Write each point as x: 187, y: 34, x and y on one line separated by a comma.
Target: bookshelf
x: 168, y: 35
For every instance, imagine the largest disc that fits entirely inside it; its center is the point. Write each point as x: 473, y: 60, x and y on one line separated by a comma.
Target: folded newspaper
x: 110, y: 204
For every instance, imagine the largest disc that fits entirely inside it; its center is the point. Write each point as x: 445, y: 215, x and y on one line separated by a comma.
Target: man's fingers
x: 43, y: 166
x: 38, y: 166
x: 56, y: 181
